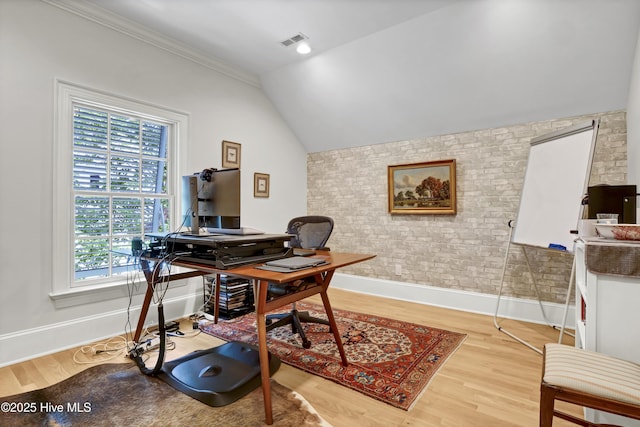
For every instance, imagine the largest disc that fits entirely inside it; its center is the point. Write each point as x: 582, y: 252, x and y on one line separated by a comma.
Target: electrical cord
x: 102, y: 351
x: 118, y: 346
x: 160, y: 289
x: 204, y: 305
x: 133, y: 284
x: 137, y: 356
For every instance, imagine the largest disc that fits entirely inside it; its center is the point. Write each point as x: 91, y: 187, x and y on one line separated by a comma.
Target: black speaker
x: 136, y: 246
x: 620, y: 199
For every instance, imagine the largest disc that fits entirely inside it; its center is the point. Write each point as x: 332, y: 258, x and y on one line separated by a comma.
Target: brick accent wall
x: 465, y: 251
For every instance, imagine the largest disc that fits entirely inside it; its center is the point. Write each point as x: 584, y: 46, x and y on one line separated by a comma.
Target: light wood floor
x: 490, y: 381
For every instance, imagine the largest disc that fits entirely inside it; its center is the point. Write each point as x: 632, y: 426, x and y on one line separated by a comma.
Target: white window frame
x: 67, y: 95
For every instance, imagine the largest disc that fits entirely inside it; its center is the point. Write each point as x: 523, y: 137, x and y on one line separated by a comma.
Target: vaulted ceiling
x: 387, y: 70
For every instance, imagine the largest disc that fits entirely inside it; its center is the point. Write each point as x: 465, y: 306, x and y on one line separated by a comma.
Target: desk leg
x: 150, y: 277
x: 332, y: 321
x: 143, y: 312
x: 260, y: 296
x: 216, y: 308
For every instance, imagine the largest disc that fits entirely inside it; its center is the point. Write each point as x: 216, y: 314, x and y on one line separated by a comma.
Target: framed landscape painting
x: 423, y: 188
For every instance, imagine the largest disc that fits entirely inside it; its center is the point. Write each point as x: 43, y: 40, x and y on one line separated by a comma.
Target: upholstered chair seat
x: 589, y: 379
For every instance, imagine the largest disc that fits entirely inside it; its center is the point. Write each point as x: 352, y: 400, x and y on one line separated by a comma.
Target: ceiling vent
x: 293, y: 40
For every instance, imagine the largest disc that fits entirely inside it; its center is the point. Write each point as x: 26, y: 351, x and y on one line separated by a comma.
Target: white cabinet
x: 607, y: 316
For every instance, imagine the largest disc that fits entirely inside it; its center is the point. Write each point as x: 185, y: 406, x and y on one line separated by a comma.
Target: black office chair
x: 310, y: 232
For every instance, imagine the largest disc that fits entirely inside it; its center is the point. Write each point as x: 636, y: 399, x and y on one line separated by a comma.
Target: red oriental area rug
x: 389, y: 360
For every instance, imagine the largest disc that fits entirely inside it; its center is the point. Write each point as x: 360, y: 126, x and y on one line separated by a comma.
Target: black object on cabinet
x: 617, y: 199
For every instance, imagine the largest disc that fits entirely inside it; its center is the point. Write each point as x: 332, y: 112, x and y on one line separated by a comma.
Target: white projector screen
x: 555, y: 182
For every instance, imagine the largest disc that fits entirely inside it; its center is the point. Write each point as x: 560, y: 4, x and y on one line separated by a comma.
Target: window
x: 116, y: 179
x: 119, y: 188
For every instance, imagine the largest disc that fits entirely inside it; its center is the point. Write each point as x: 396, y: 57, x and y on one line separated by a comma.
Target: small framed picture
x: 230, y: 154
x: 260, y: 185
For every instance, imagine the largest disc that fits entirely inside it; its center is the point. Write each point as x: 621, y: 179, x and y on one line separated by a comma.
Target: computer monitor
x: 211, y: 200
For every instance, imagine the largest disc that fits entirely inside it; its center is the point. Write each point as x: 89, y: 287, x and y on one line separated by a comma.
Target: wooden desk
x: 261, y: 278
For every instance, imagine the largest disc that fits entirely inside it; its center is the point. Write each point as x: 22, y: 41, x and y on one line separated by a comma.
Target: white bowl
x: 619, y: 231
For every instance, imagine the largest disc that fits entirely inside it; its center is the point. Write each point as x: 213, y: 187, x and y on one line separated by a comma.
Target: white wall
x: 633, y: 122
x: 40, y: 43
x: 467, y: 66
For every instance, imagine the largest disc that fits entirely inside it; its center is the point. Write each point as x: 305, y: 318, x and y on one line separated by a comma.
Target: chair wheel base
x: 296, y: 319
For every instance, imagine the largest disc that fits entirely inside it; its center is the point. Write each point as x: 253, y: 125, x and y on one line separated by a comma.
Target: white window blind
x: 119, y: 185
x: 116, y: 165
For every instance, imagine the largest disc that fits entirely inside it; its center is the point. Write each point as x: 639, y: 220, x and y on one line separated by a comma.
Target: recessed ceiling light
x: 303, y: 48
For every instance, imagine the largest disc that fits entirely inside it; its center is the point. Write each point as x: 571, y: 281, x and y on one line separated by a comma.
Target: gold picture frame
x: 231, y: 154
x: 260, y: 184
x: 423, y: 188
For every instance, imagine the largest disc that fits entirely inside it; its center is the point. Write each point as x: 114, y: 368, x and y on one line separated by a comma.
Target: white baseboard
x: 29, y: 343
x: 512, y: 308
x: 35, y: 342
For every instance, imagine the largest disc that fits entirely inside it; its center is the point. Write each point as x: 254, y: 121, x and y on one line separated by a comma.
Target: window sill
x: 98, y: 293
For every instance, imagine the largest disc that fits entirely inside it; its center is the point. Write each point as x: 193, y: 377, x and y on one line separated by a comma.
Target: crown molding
x: 135, y: 30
